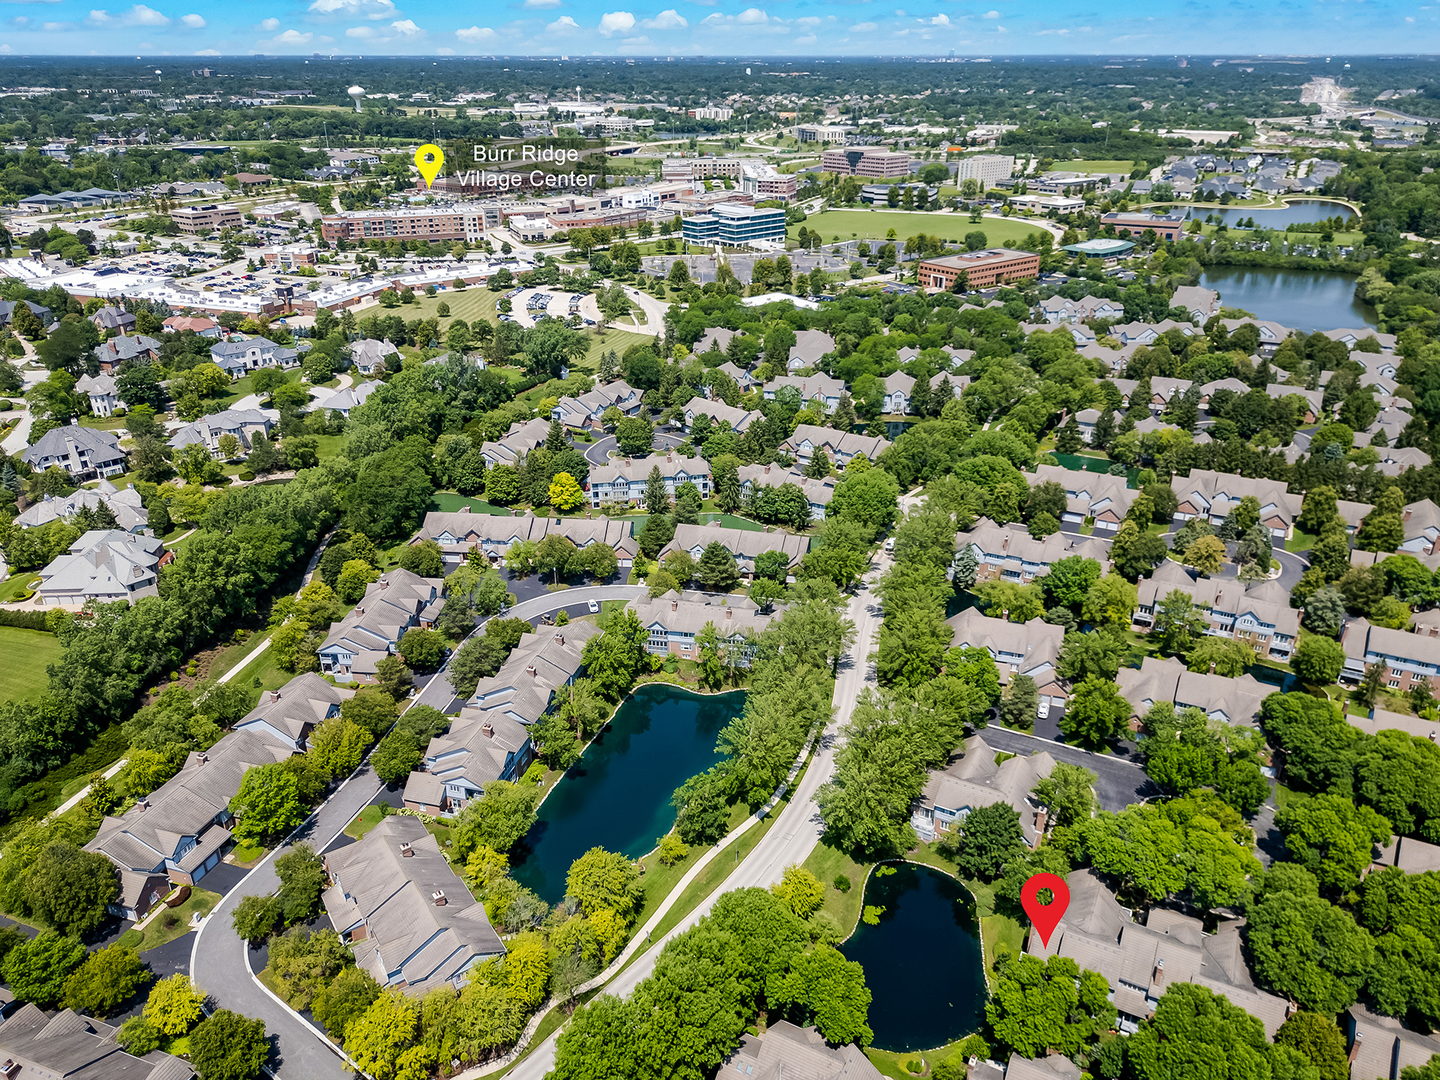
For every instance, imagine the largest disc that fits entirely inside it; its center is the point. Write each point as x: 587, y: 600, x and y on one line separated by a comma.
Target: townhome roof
x: 517, y: 442
x: 742, y: 543
x: 477, y: 748
x: 423, y: 929
x: 1361, y: 638
x: 898, y: 380
x: 972, y: 779
x: 1219, y: 493
x: 1016, y: 547
x: 1395, y: 460
x: 1381, y: 1048
x: 810, y: 346
x: 1421, y: 519
x: 718, y: 412
x: 809, y: 387
x: 671, y: 466
x: 715, y: 334
x: 1313, y: 397
x: 388, y: 607
x: 1232, y: 384
x: 1195, y: 298
x: 535, y: 669
x: 300, y: 704
x: 819, y: 492
x: 741, y: 377
x: 1410, y: 855
x: 787, y: 1052
x: 1234, y: 700
x: 457, y: 531
x: 1024, y: 646
x: 74, y: 1047
x: 1090, y: 494
x: 844, y: 443
x: 688, y: 612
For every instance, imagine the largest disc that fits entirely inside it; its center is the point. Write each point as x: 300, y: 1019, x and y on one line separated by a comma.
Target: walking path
x: 79, y: 796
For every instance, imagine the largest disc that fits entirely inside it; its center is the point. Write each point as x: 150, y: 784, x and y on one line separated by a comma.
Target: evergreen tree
x: 657, y: 499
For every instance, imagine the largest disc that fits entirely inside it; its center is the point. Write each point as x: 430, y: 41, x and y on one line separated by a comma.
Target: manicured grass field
x: 873, y: 224
x: 1095, y: 166
x: 156, y: 933
x: 29, y: 651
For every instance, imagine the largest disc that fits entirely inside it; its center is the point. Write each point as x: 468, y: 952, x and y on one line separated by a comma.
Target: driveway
x: 598, y: 452
x: 1121, y: 783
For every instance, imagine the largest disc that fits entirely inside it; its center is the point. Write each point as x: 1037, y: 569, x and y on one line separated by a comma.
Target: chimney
x: 1042, y: 818
x: 406, y: 851
x: 559, y: 639
x: 674, y: 605
x: 767, y: 472
x: 1212, y: 667
x: 1355, y: 1047
x: 384, y: 583
x: 204, y: 758
x: 1159, y: 971
x: 438, y: 896
x: 142, y: 805
x: 530, y: 669
x: 274, y: 696
x: 669, y: 457
x: 729, y: 611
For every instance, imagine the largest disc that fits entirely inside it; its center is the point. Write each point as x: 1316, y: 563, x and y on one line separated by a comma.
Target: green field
x: 1095, y: 166
x: 873, y: 224
x: 29, y: 652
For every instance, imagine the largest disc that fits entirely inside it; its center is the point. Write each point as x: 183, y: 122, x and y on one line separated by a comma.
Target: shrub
x: 842, y: 883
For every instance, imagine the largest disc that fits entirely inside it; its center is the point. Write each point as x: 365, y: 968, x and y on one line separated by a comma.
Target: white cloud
x: 23, y: 20
x: 613, y: 22
x: 291, y: 37
x: 806, y: 39
x: 808, y: 21
x: 940, y: 20
x: 363, y: 32
x: 752, y: 16
x: 100, y: 17
x: 473, y: 34
x: 209, y: 52
x: 641, y: 42
x: 536, y: 5
x: 444, y: 50
x: 992, y: 15
x: 563, y: 25
x: 6, y: 49
x: 1001, y: 30
x: 864, y: 27
x: 269, y: 25
x: 195, y: 22
x: 406, y: 27
x: 669, y: 19
x: 140, y: 15
x: 374, y: 10
x: 1409, y: 18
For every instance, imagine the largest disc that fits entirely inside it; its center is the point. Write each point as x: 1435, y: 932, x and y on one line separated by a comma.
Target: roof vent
x: 438, y: 896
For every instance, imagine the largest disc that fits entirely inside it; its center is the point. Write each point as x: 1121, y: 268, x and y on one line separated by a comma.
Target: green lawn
x: 372, y: 815
x: 15, y: 584
x: 241, y: 388
x: 157, y: 933
x: 452, y: 501
x: 826, y: 862
x: 1095, y: 166
x: 29, y: 651
x: 873, y: 224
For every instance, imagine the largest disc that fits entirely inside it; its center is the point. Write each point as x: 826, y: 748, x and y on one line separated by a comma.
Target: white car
x: 1044, y: 710
x: 889, y: 544
x: 594, y: 607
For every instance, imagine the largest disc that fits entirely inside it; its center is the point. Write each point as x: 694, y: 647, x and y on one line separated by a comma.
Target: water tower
x: 357, y: 94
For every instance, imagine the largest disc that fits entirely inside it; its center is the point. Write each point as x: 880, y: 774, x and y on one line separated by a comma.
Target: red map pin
x: 1045, y: 917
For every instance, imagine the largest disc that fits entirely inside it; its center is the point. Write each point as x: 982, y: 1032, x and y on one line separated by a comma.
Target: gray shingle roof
x: 75, y: 1047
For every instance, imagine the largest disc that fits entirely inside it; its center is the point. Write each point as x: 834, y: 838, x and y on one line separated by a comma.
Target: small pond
x: 1295, y: 212
x: 1307, y: 300
x: 617, y: 796
x: 923, y: 961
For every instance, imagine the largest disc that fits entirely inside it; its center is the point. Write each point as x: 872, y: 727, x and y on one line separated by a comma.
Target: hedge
x: 26, y: 620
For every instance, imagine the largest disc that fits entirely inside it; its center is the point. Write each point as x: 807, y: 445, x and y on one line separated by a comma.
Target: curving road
x: 598, y: 452
x: 794, y: 834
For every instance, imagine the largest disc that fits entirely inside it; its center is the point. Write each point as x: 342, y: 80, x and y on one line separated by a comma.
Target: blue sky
x: 718, y: 27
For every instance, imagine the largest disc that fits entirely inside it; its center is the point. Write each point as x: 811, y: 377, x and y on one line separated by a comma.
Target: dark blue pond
x: 1306, y: 300
x: 618, y: 795
x: 923, y: 961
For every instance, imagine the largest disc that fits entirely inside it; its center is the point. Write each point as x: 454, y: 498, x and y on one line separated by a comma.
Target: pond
x: 617, y: 796
x: 1295, y: 212
x: 1304, y: 299
x: 923, y: 961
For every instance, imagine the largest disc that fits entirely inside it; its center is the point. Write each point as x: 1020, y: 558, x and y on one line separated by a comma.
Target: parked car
x: 1044, y: 710
x: 594, y: 607
x: 889, y: 545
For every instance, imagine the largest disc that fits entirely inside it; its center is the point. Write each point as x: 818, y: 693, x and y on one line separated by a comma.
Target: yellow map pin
x: 429, y: 159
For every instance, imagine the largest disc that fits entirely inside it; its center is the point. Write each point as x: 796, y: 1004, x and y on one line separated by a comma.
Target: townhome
x: 1258, y: 613
x: 839, y: 446
x: 68, y: 1046
x: 809, y: 347
x: 742, y: 378
x: 1031, y: 648
x: 372, y: 357
x: 1396, y: 460
x: 1235, y: 386
x: 941, y: 379
x: 244, y: 424
x: 177, y: 834
x: 819, y: 389
x: 238, y: 357
x: 352, y: 397
x: 1058, y: 309
x: 390, y: 606
x: 1114, y: 360
x: 1422, y: 528
x: 460, y: 532
x: 715, y: 339
x: 973, y: 780
x: 720, y: 413
x: 132, y: 347
x: 1313, y: 398
x: 82, y: 452
x: 1139, y: 333
x: 516, y: 443
x: 1141, y: 961
x: 100, y: 389
x: 746, y: 545
x: 1409, y: 659
x: 1010, y: 553
x: 405, y: 913
x: 899, y: 388
x: 1351, y: 336
x: 786, y: 1051
x: 1271, y: 333
x: 1381, y: 1047
x: 1221, y: 698
x: 130, y: 514
x: 104, y: 565
x: 1392, y: 421
x: 1201, y: 303
x: 676, y: 618
x: 1100, y: 497
x: 956, y: 356
x: 586, y: 411
x: 290, y: 714
x: 818, y: 492
x: 1212, y: 496
x: 623, y: 480
x: 1407, y: 854
x: 490, y: 739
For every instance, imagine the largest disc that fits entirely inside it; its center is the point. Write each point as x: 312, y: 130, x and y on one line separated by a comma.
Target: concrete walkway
x: 79, y: 796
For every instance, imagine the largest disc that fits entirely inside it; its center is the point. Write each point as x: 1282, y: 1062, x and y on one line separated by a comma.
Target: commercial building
x: 291, y: 256
x: 463, y: 221
x: 986, y: 168
x: 822, y: 132
x: 206, y: 219
x: 735, y: 226
x: 712, y: 112
x: 700, y: 168
x: 767, y: 182
x: 1166, y: 226
x: 871, y: 161
x: 989, y: 266
x: 1101, y: 248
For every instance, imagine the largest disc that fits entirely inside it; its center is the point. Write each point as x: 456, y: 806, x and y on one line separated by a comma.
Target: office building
x: 872, y: 161
x: 990, y: 266
x: 735, y: 226
x: 986, y: 168
x: 465, y: 221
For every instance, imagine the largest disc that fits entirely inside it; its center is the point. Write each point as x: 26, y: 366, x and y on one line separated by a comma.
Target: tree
x: 302, y: 880
x: 1332, y: 837
x: 717, y: 570
x: 1178, y: 622
x: 267, y: 804
x: 107, y: 980
x: 1096, y: 712
x: 175, y: 1005
x: 1319, y: 1040
x: 398, y: 755
x: 256, y: 917
x: 69, y: 888
x: 1135, y: 553
x: 1193, y: 1023
x: 373, y: 709
x: 423, y: 650
x: 1067, y: 582
x: 825, y: 989
x: 1095, y: 653
x: 634, y: 436
x: 337, y: 745
x: 37, y: 970
x: 800, y: 890
x: 1317, y: 660
x: 1041, y: 1005
x: 228, y: 1046
x: 1226, y: 658
x: 602, y: 880
x: 1068, y: 793
x: 1019, y: 703
x: 657, y: 496
x: 987, y: 838
x: 498, y: 819
x: 424, y: 558
x: 870, y: 498
x: 565, y: 492
x: 527, y: 968
x: 1305, y: 947
x: 1206, y: 554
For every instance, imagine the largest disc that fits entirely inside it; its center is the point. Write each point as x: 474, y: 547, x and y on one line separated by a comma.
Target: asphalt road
x: 1121, y: 783
x: 792, y: 837
x: 598, y: 452
x: 218, y: 955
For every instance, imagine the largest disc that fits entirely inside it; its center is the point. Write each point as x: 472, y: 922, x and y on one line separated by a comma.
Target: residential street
x: 598, y: 452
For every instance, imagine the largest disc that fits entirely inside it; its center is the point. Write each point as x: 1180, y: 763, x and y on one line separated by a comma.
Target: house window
x: 1394, y: 684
